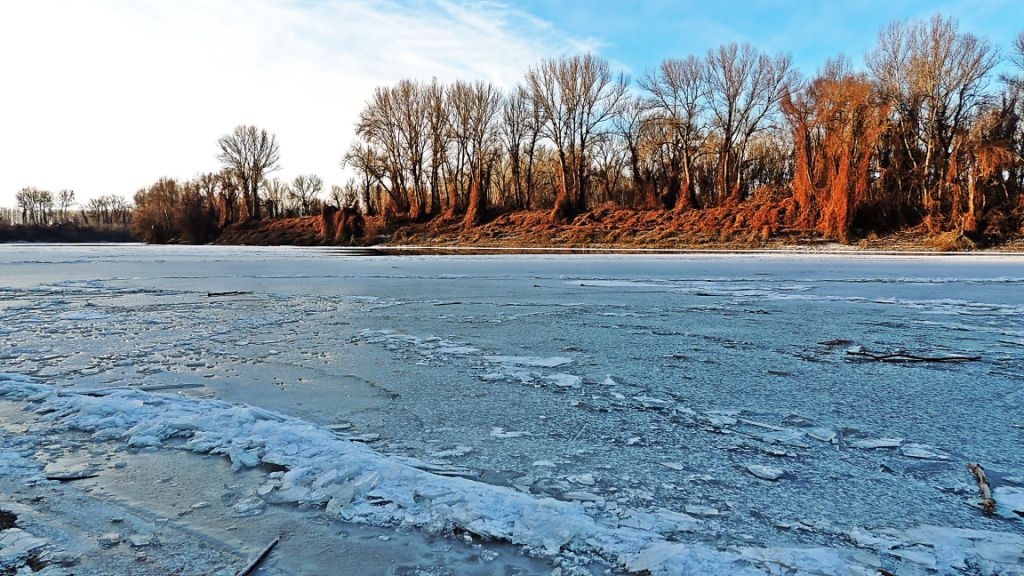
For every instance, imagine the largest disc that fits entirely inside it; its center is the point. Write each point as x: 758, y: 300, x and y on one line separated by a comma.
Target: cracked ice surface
x: 623, y: 391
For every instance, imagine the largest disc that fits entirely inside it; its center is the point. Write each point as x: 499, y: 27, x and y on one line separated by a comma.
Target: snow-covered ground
x: 680, y: 414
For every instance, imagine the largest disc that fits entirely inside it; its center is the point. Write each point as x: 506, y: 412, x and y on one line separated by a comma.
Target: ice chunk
x: 814, y: 561
x: 584, y: 479
x: 786, y: 436
x: 876, y: 443
x: 251, y: 506
x: 532, y: 361
x: 64, y: 471
x: 652, y: 558
x: 720, y: 420
x: 660, y: 521
x: 453, y: 452
x: 456, y: 350
x: 109, y: 539
x: 16, y: 544
x: 765, y: 472
x: 916, y: 554
x: 1009, y: 501
x: 697, y: 510
x: 822, y: 434
x: 582, y: 496
x: 144, y: 441
x: 679, y: 522
x: 652, y: 402
x: 564, y: 380
x: 922, y: 452
x: 1001, y: 552
x: 140, y: 540
x: 499, y: 432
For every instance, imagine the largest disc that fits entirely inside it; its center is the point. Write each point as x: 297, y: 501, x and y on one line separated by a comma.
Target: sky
x: 107, y: 96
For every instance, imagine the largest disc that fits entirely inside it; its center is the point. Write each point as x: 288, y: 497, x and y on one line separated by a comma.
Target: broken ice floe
x: 765, y: 472
x: 352, y: 482
x: 526, y: 369
x: 16, y: 546
x: 429, y: 347
x: 501, y: 433
x: 921, y: 452
x: 529, y: 361
x: 564, y: 380
x: 877, y: 443
x: 1009, y: 501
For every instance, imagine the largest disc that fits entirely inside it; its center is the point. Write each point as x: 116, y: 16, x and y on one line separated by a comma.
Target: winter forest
x: 927, y: 135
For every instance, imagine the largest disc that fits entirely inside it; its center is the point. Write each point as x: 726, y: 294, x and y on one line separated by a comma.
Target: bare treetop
x: 577, y: 98
x: 250, y: 154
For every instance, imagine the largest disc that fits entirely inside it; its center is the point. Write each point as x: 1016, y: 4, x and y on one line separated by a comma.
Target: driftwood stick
x: 904, y: 357
x: 988, y: 504
x: 228, y: 293
x: 259, y: 559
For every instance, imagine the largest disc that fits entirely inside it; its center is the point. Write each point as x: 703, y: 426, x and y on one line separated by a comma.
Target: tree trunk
x: 477, y: 207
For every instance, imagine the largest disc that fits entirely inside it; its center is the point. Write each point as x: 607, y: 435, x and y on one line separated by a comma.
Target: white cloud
x: 106, y: 96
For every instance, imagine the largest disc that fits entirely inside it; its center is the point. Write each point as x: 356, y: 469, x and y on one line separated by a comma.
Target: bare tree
x: 633, y: 125
x: 370, y: 166
x: 934, y: 77
x: 275, y: 192
x: 303, y: 192
x: 744, y: 88
x: 438, y: 112
x: 250, y: 154
x: 65, y: 198
x: 520, y: 133
x: 229, y: 190
x: 26, y: 203
x: 348, y: 196
x: 158, y: 211
x: 675, y: 92
x: 474, y: 128
x: 411, y: 104
x: 577, y: 96
x: 337, y: 195
x: 36, y: 205
x: 389, y: 150
x: 1018, y: 51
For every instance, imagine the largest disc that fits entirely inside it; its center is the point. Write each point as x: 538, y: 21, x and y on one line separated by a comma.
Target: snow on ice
x: 352, y: 482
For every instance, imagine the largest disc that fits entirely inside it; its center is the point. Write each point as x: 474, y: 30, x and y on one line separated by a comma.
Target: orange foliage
x: 836, y: 122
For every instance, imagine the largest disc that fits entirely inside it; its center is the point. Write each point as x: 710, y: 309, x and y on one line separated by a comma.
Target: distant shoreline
x: 531, y: 232
x: 63, y: 234
x: 426, y: 250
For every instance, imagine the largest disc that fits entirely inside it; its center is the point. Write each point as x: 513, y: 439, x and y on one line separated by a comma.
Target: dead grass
x: 765, y: 221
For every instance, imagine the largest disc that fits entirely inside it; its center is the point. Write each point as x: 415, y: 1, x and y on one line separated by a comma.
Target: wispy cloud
x: 105, y: 96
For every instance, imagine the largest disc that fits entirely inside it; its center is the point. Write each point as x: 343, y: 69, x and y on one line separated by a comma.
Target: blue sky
x: 639, y: 34
x: 107, y: 96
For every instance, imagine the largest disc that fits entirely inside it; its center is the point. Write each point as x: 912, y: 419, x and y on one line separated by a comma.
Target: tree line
x: 928, y: 135
x: 43, y: 208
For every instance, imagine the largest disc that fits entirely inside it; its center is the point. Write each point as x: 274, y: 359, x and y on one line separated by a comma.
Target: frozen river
x: 673, y: 413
